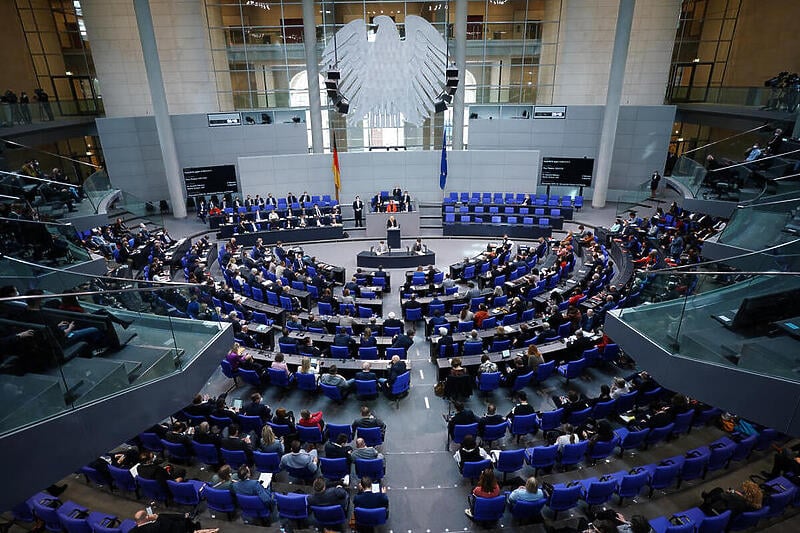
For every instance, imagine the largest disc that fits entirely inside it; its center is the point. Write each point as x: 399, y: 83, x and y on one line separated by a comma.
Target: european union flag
x: 443, y: 171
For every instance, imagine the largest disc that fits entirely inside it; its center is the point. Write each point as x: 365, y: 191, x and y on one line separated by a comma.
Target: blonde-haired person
x: 748, y: 497
x: 528, y: 492
x: 305, y: 366
x: 269, y: 442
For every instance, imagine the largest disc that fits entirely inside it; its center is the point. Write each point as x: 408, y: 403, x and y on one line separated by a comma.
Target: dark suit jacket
x: 366, y: 376
x: 370, y: 500
x: 460, y: 419
x: 257, y: 409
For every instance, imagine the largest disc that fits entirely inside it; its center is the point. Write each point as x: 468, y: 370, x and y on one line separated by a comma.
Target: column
x: 460, y: 53
x: 158, y: 95
x: 616, y: 76
x: 312, y: 69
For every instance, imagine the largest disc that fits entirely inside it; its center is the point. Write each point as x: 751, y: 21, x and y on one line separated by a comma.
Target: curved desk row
x: 395, y: 259
x: 517, y: 231
x: 318, y: 233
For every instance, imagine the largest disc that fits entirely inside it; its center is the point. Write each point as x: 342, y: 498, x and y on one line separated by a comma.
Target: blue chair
x: 522, y: 382
x: 279, y: 378
x: 93, y: 476
x: 287, y: 348
x: 494, y: 432
x: 693, y: 467
x: 401, y: 386
x: 391, y: 332
x: 576, y: 418
x: 683, y: 423
x: 488, y: 510
x: 487, y: 381
x: 334, y: 469
x: 329, y: 516
x: 564, y: 498
x: 662, y: 524
x: 572, y: 454
x: 325, y: 309
x: 280, y: 430
x: 366, y: 389
x: 460, y: 431
x: 249, y: 424
x: 368, y: 352
x: 598, y: 491
x: 375, y: 469
x: 603, y: 409
x: 542, y: 457
x: 235, y: 458
x: 627, y: 401
x: 500, y: 345
x: 414, y: 315
x: 473, y: 348
x: 663, y: 475
x: 472, y: 469
x: 253, y: 509
x: 50, y: 515
x: 153, y: 489
x: 544, y: 371
x: 370, y: 518
x: 748, y: 519
x: 151, y: 442
x: 708, y: 524
x: 656, y: 435
x: 744, y: 448
x: 267, y: 462
x: 527, y: 511
x: 779, y: 501
x: 510, y: 461
x: 524, y: 425
x: 364, y: 312
x: 309, y: 434
x: 124, y: 480
x: 220, y: 421
x: 340, y: 352
x: 372, y: 436
x: 601, y: 450
x: 292, y: 506
x: 176, y: 451
x: 550, y: 420
x: 629, y: 440
x: 186, y: 492
x: 306, y: 382
x: 630, y: 485
x: 572, y: 369
x: 332, y: 392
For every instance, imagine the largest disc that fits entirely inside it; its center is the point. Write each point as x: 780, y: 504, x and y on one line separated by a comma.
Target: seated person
x: 572, y: 402
x: 749, y: 497
x: 338, y: 449
x: 362, y: 451
x: 522, y: 406
x: 310, y: 420
x: 256, y: 408
x: 269, y: 442
x: 251, y: 487
x: 529, y: 492
x: 446, y: 341
x: 332, y: 377
x: 568, y: 437
x: 236, y: 442
x: 368, y: 420
x: 324, y: 496
x: 785, y: 461
x: 487, y: 365
x: 491, y: 418
x: 367, y: 499
x: 280, y: 364
x: 367, y: 340
x: 461, y: 417
x: 299, y: 459
x: 487, y: 488
x: 366, y: 373
x: 343, y: 339
x: 149, y: 470
x: 284, y: 418
x: 469, y: 452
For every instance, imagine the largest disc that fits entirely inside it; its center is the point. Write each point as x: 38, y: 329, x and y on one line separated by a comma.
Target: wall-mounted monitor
x: 577, y: 171
x: 216, y: 120
x: 216, y: 179
x: 550, y: 111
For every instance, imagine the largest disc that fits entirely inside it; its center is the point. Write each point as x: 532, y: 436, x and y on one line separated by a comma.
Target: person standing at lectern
x: 358, y: 211
x: 392, y: 223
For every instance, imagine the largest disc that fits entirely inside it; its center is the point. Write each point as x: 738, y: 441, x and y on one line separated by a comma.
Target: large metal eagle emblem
x: 387, y: 77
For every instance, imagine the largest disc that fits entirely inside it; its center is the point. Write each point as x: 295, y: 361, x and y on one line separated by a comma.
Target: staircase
x: 430, y: 219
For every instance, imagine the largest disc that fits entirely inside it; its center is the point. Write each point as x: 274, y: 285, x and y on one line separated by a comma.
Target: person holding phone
x: 370, y: 496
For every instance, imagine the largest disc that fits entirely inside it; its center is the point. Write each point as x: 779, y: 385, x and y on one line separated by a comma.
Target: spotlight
x: 439, y: 106
x: 334, y: 75
x: 342, y: 105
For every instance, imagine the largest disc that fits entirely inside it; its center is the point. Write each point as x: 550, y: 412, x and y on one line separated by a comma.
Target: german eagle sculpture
x: 388, y: 80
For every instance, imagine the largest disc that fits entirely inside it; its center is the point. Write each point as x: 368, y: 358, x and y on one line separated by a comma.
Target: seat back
x: 329, y: 515
x: 489, y: 509
x: 599, y: 492
x: 494, y: 432
x: 368, y: 352
x: 714, y: 524
x: 630, y: 485
x: 524, y: 424
x: 694, y: 467
x: 123, y: 479
x: 306, y: 382
x: 460, y: 431
x: 309, y: 434
x: 634, y: 439
x: 372, y: 436
x: 372, y: 468
x: 544, y: 371
x: 510, y: 460
x: 602, y: 449
x: 550, y: 420
x: 334, y: 469
x: 331, y: 391
x: 153, y: 489
x: 184, y: 493
x: 525, y: 511
x: 267, y: 462
x: 660, y: 433
x: 292, y: 506
x: 402, y: 384
x: 522, y: 381
x: 576, y: 418
x: 366, y: 388
x: 250, y: 423
x: 572, y: 454
x: 564, y: 498
x: 371, y: 517
x: 278, y: 377
x: 542, y: 456
x: 252, y: 507
x: 664, y: 475
x: 235, y: 458
x: 473, y: 469
x: 603, y: 409
x: 487, y: 381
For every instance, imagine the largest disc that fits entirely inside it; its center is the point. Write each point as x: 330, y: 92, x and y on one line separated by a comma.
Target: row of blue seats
x: 543, y: 222
x: 308, y: 382
x: 782, y: 494
x: 69, y: 517
x: 555, y: 212
x: 596, y: 491
x: 510, y: 198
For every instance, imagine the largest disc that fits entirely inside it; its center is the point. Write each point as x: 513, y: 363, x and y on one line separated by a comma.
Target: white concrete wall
x: 366, y: 173
x: 183, y: 48
x: 585, y: 42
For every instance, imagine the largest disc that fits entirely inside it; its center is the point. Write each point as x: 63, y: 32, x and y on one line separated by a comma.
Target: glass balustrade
x: 87, y: 338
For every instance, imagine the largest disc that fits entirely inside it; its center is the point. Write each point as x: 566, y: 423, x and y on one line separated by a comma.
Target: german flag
x: 337, y: 181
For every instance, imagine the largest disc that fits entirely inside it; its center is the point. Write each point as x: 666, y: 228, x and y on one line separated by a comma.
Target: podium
x: 393, y: 238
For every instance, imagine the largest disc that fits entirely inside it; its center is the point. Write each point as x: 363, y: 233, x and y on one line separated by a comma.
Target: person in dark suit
x: 149, y: 470
x: 305, y: 198
x: 392, y: 222
x: 403, y: 340
x: 324, y: 496
x: 396, y: 369
x: 256, y: 408
x: 358, y: 211
x: 366, y: 373
x: 461, y: 417
x: 366, y: 499
x: 291, y: 198
x: 392, y: 321
x: 406, y: 201
x: 412, y: 303
x: 235, y: 442
x: 199, y: 407
x: 177, y: 435
x: 343, y: 339
x: 491, y: 418
x: 397, y: 193
x: 203, y: 434
x: 367, y: 340
x: 446, y: 340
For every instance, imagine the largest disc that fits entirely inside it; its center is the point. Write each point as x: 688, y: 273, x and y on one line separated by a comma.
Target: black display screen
x: 567, y: 171
x: 210, y: 180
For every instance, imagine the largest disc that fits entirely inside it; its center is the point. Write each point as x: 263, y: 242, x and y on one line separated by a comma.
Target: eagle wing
x: 427, y: 65
x: 351, y: 50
